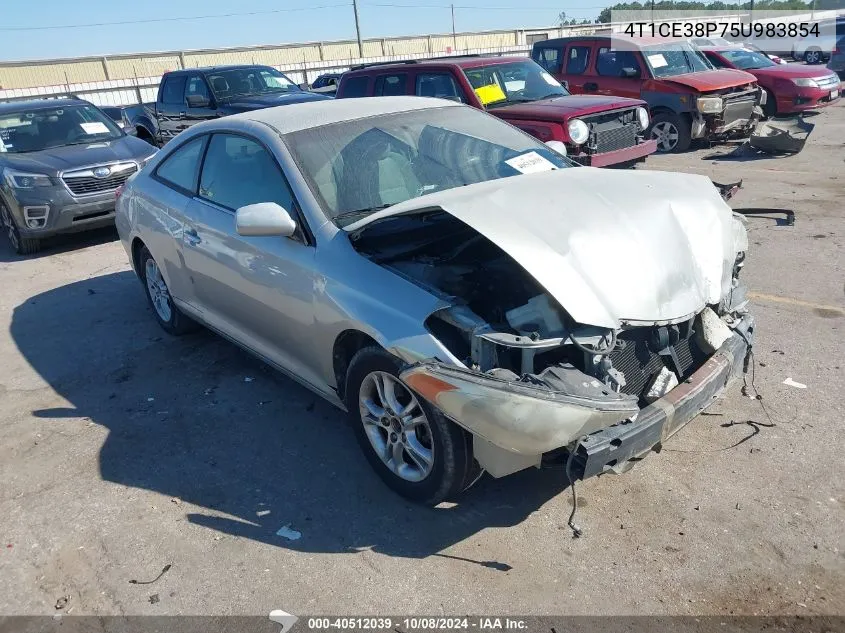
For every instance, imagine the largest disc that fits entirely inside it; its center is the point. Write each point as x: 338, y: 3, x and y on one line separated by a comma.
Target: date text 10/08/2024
x: 409, y: 624
x: 731, y: 30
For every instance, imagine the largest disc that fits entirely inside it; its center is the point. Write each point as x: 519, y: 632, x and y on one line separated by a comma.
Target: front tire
x: 671, y: 131
x: 21, y: 245
x: 169, y: 317
x: 412, y: 447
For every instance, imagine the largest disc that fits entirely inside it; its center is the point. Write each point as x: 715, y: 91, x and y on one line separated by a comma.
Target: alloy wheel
x: 396, y: 426
x: 666, y: 135
x: 159, y: 294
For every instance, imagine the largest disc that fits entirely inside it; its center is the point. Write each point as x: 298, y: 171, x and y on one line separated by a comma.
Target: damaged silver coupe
x: 473, y: 299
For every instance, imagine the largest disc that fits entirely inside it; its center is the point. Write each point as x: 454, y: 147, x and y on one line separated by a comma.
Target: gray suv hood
x: 56, y: 159
x: 612, y: 247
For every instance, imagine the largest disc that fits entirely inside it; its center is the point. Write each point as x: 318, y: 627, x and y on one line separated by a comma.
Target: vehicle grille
x: 611, y: 131
x: 739, y: 106
x: 636, y: 360
x: 84, y: 182
x: 831, y: 82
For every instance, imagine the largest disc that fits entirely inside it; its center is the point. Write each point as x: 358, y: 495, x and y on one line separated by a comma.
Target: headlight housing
x: 24, y: 180
x: 642, y: 117
x: 805, y: 82
x: 710, y: 105
x: 579, y: 132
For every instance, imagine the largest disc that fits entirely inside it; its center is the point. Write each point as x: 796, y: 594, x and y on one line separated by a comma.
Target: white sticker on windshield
x: 548, y: 78
x: 530, y: 163
x: 657, y: 60
x: 95, y: 127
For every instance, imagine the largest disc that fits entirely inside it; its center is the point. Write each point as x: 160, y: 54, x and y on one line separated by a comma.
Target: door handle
x: 591, y: 86
x: 191, y: 237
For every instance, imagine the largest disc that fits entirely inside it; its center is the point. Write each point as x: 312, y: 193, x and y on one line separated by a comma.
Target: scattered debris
x: 154, y: 599
x: 737, y: 506
x: 262, y: 513
x: 789, y: 215
x: 727, y: 191
x: 151, y: 399
x: 287, y: 532
x: 61, y: 603
x: 176, y: 500
x: 791, y: 383
x: 8, y: 546
x: 248, y: 378
x: 164, y: 570
x: 782, y: 136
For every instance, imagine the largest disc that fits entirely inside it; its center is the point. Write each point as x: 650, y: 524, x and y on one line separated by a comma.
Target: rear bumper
x: 626, y: 155
x: 618, y: 448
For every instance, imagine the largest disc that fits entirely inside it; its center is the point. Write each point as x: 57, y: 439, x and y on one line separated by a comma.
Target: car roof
x: 38, y: 104
x: 302, y: 116
x: 627, y: 41
x: 461, y: 61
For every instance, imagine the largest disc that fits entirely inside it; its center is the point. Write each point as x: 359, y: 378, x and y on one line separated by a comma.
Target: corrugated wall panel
x: 146, y: 66
x: 406, y: 46
x: 50, y: 74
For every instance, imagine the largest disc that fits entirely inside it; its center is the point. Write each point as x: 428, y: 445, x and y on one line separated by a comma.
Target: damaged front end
x: 529, y: 380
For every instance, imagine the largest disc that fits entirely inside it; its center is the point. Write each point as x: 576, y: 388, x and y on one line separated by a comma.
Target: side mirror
x: 264, y: 219
x: 630, y: 73
x: 557, y: 146
x: 198, y: 101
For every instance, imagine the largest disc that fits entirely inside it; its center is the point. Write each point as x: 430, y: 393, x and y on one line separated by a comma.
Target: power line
x: 470, y: 7
x: 182, y: 19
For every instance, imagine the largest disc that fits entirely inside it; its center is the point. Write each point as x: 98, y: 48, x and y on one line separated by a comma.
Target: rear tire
x: 448, y: 464
x: 671, y: 131
x: 169, y: 317
x: 21, y: 245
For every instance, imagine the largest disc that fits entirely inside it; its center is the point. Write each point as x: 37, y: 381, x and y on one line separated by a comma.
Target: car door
x: 441, y: 84
x: 199, y: 104
x: 257, y: 290
x: 170, y: 106
x: 575, y: 65
x: 617, y: 73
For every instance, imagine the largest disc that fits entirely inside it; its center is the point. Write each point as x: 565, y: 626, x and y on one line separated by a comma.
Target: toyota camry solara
x: 471, y: 298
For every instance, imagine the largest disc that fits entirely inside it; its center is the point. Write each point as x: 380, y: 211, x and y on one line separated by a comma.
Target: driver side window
x: 196, y: 86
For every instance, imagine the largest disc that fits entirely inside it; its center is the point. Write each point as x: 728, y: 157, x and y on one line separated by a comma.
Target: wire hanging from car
x: 596, y: 352
x: 577, y: 532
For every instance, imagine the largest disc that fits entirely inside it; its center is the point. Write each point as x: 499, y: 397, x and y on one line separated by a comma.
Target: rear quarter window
x: 355, y: 86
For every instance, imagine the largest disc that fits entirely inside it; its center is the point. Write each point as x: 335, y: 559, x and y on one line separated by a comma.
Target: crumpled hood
x: 710, y: 80
x: 612, y: 247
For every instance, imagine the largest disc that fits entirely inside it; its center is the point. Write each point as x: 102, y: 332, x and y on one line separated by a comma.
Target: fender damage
x: 609, y: 316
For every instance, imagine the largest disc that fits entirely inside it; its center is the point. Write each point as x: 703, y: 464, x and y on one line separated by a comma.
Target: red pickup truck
x: 688, y: 98
x: 598, y: 131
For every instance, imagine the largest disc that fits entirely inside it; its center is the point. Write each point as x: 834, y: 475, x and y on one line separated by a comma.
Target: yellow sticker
x: 491, y: 93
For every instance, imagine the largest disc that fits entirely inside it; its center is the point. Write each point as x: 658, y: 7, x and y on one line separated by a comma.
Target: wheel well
x: 137, y: 245
x: 143, y: 133
x: 347, y: 344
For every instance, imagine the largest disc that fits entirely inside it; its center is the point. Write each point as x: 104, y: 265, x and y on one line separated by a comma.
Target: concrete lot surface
x: 123, y: 450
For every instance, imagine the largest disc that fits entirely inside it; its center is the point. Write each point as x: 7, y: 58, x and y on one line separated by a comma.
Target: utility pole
x: 358, y: 28
x: 454, y: 37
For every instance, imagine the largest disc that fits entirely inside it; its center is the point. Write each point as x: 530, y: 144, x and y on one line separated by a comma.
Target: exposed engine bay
x: 503, y: 323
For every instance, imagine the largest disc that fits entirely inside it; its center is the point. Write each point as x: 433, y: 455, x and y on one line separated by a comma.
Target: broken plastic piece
x: 287, y: 532
x: 782, y: 136
x: 791, y: 383
x: 662, y: 383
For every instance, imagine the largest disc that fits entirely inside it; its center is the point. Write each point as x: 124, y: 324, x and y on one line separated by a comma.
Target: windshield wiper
x: 359, y: 213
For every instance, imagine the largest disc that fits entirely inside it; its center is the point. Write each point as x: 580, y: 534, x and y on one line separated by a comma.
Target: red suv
x: 688, y: 98
x: 597, y: 130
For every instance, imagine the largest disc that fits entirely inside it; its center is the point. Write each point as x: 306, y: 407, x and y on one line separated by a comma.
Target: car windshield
x: 242, y: 82
x: 746, y: 60
x: 43, y: 128
x: 674, y: 58
x: 513, y: 82
x: 357, y: 167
